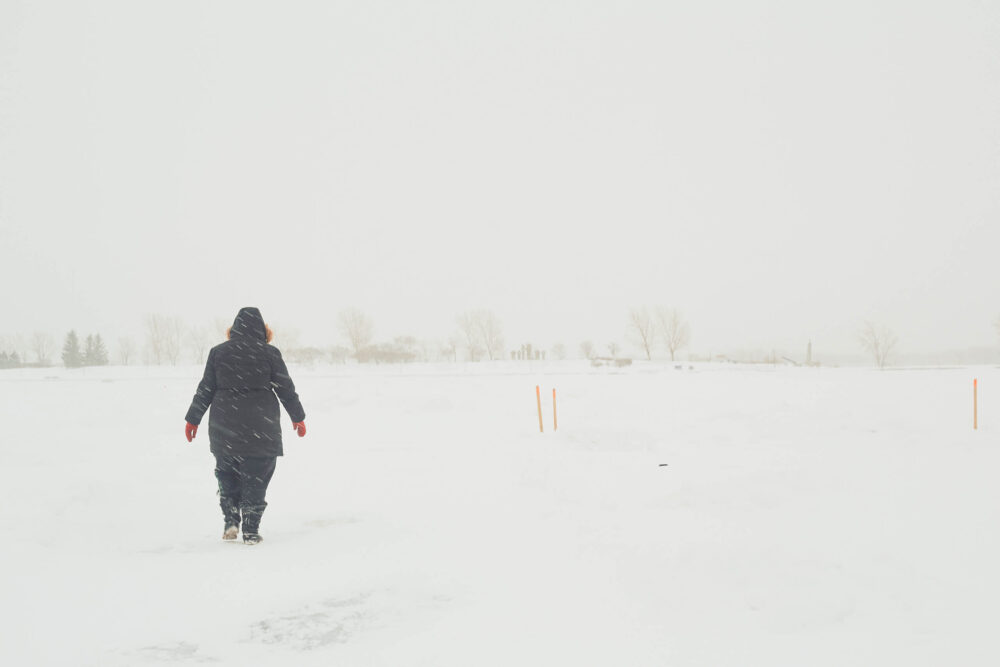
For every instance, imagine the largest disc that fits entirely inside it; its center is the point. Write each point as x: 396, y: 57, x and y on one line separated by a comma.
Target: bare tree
x: 449, y: 348
x: 163, y: 338
x: 613, y: 349
x: 878, y: 341
x: 126, y: 348
x: 482, y: 332
x: 675, y: 331
x: 642, y: 329
x: 490, y: 333
x: 357, y: 328
x: 587, y: 349
x: 43, y: 346
x: 155, y: 334
x: 172, y: 341
x: 469, y: 329
x: 199, y: 340
x: 558, y: 352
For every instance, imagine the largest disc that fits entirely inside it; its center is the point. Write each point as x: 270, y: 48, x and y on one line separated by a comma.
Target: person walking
x: 242, y: 377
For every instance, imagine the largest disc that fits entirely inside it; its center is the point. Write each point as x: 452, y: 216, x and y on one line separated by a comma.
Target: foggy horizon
x: 779, y: 174
x: 752, y: 245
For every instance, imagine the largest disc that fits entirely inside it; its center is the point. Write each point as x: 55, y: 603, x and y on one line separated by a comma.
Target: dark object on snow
x: 610, y: 361
x: 241, y: 379
x: 664, y: 464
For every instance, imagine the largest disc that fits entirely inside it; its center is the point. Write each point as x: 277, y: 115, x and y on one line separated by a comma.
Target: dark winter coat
x: 241, y: 379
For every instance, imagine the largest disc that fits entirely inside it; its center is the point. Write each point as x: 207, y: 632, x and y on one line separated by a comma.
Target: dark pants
x: 242, y: 484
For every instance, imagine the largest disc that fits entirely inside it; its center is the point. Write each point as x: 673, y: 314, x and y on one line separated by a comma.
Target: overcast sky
x: 778, y: 171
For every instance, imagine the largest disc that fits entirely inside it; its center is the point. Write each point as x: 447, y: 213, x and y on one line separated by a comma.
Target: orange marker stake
x: 975, y: 404
x: 538, y: 395
x: 555, y: 417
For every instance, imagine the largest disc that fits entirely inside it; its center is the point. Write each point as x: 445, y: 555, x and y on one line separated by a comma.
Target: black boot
x: 231, y: 513
x: 251, y: 523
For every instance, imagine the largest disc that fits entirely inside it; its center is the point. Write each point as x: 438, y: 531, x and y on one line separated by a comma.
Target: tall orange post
x: 975, y: 404
x: 538, y: 395
x: 555, y: 416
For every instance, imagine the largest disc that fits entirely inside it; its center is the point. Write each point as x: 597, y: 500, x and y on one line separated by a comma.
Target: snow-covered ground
x: 806, y: 517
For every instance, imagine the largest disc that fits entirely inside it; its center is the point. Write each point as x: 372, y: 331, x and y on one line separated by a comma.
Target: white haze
x: 779, y: 171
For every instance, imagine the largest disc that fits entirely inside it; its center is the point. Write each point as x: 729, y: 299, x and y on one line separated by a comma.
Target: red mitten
x: 300, y: 428
x: 190, y: 430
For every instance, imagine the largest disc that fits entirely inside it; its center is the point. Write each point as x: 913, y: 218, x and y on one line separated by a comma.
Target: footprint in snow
x: 330, y: 622
x: 173, y: 653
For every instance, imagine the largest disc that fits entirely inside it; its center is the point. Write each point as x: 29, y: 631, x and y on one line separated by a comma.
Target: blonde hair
x: 268, y: 335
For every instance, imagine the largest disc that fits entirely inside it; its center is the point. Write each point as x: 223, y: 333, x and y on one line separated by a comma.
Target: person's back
x: 242, y: 364
x: 242, y: 378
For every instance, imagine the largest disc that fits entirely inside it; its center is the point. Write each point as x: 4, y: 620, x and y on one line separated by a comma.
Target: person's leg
x: 256, y: 474
x: 227, y: 471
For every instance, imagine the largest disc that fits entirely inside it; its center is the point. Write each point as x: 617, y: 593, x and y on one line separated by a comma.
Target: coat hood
x: 250, y: 324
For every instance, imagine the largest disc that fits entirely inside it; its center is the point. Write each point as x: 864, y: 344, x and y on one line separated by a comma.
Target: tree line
x: 663, y: 326
x: 94, y: 353
x: 167, y: 340
x: 477, y: 335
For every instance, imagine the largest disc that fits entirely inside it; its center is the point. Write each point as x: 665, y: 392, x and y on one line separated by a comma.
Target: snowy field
x: 806, y: 517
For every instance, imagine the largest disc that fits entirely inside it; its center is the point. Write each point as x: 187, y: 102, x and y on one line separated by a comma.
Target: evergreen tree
x: 89, y: 351
x: 71, y: 351
x: 10, y: 360
x: 100, y: 355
